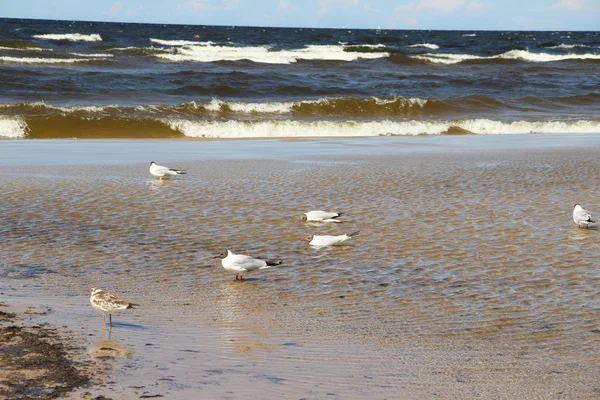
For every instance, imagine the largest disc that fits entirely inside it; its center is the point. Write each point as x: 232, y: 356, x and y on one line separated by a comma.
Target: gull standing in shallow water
x: 240, y: 263
x: 108, y: 303
x: 327, y: 240
x: 581, y: 217
x: 321, y: 216
x: 161, y: 172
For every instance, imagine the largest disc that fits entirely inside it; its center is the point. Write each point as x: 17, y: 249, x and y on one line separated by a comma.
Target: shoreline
x: 36, y: 152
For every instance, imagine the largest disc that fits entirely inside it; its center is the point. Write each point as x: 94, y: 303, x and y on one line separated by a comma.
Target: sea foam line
x: 290, y: 128
x: 524, y: 55
x: 568, y: 46
x: 180, y: 42
x: 425, y: 45
x: 36, y: 60
x: 288, y: 106
x: 263, y: 54
x: 72, y: 37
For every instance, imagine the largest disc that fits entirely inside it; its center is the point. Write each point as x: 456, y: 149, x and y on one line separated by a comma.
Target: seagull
x: 108, y: 303
x: 327, y: 240
x: 241, y: 263
x: 321, y: 216
x: 581, y: 217
x: 159, y: 171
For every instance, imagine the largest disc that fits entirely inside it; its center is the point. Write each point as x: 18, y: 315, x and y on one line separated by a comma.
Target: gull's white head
x: 94, y: 291
x: 222, y: 254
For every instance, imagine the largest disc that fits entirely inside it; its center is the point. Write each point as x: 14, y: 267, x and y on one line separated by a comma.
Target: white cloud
x: 370, y: 9
x: 206, y: 5
x: 402, y: 8
x: 115, y: 9
x: 444, y: 5
x: 324, y: 5
x: 440, y: 5
x: 475, y: 6
x: 569, y: 4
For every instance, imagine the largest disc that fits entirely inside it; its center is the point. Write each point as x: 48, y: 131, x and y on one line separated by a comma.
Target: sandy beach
x: 468, y: 279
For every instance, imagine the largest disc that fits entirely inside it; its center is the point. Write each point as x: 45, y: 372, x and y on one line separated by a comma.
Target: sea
x: 103, y: 80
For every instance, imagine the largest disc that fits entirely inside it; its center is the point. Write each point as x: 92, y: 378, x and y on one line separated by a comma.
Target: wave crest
x: 208, y: 52
x: 13, y: 128
x: 260, y: 129
x: 71, y: 37
x: 523, y: 55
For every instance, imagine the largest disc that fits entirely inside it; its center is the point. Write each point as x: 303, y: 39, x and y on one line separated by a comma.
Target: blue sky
x: 387, y: 14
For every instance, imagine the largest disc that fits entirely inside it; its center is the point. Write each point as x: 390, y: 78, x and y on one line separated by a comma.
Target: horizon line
x: 300, y: 27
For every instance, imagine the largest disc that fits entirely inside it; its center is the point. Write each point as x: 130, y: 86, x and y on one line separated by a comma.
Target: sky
x: 370, y: 14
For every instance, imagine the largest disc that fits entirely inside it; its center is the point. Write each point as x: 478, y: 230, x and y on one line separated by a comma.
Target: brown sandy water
x: 468, y: 279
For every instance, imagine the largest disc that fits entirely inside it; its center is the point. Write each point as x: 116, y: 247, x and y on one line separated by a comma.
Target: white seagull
x: 321, y: 216
x: 160, y: 172
x: 240, y: 263
x: 108, y: 303
x: 327, y: 240
x: 581, y: 217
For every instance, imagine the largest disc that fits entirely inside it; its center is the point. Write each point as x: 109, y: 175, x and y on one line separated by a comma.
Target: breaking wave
x: 12, y: 128
x: 48, y: 60
x: 425, y: 45
x: 71, y: 37
x: 522, y: 55
x: 273, y: 129
x: 209, y: 52
x: 81, y: 126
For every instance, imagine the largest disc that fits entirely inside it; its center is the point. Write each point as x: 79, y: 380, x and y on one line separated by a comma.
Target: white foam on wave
x: 25, y: 49
x: 288, y: 106
x: 509, y: 55
x: 250, y: 108
x: 12, y: 128
x: 369, y: 46
x: 568, y: 46
x: 425, y: 45
x: 180, y: 42
x: 288, y: 128
x: 263, y: 54
x: 98, y: 55
x: 448, y: 58
x: 72, y: 37
x: 545, y: 57
x: 37, y: 60
x: 469, y: 35
x: 66, y: 110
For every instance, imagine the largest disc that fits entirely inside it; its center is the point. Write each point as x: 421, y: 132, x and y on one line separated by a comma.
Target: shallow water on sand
x: 460, y: 257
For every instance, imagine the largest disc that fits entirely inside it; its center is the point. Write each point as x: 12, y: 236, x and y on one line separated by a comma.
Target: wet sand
x: 36, y: 361
x: 468, y: 279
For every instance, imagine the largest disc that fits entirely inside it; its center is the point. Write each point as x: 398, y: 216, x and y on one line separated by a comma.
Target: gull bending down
x: 321, y: 216
x: 161, y: 172
x: 327, y: 240
x: 582, y: 217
